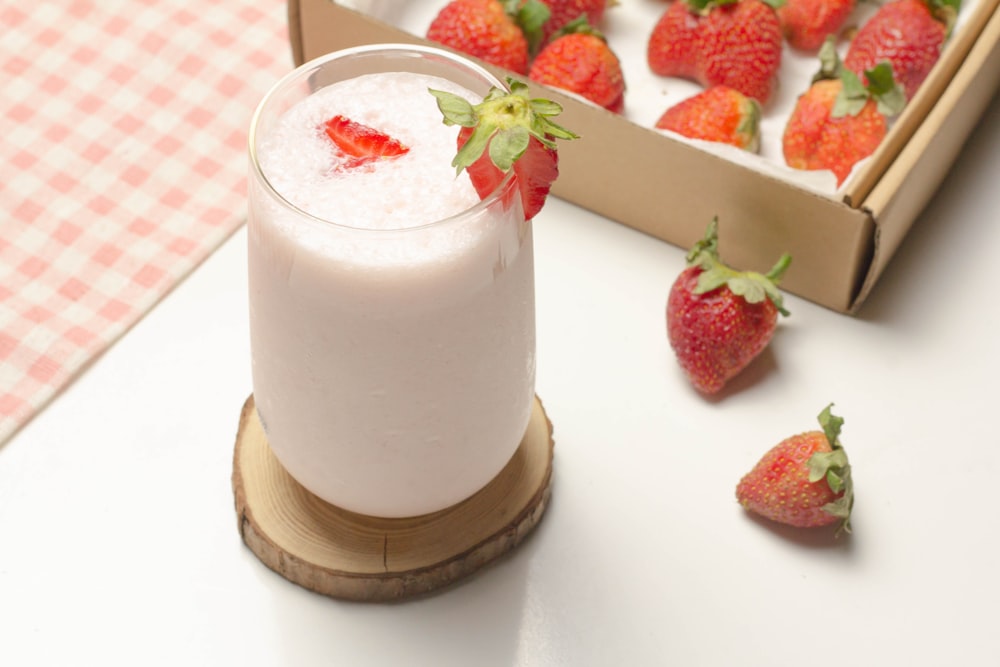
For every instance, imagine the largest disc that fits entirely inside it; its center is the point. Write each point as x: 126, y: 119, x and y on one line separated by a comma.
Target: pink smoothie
x: 393, y: 359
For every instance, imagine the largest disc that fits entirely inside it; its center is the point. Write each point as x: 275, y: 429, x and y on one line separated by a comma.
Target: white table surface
x: 119, y: 542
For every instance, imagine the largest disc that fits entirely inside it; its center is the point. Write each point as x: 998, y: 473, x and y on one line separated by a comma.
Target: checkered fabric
x: 122, y: 166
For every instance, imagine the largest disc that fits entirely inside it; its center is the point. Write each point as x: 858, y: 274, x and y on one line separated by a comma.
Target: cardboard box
x: 669, y: 189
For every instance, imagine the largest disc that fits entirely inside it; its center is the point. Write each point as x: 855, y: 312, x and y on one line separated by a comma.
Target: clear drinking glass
x: 393, y: 369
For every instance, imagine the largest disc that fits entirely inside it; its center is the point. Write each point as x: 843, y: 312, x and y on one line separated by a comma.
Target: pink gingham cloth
x: 122, y: 166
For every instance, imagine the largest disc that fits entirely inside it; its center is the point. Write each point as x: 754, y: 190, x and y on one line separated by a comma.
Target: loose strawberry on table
x: 839, y: 121
x: 578, y: 59
x: 807, y: 23
x: 736, y: 43
x: 507, y: 130
x: 908, y: 34
x: 803, y: 481
x: 720, y: 114
x: 719, y: 319
x: 497, y: 31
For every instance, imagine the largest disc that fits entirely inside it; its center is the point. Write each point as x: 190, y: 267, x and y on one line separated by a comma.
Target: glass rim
x: 369, y: 50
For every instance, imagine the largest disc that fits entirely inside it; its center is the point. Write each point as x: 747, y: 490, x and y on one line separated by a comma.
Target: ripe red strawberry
x: 360, y: 143
x: 736, y: 43
x: 803, y: 481
x: 719, y: 114
x: 579, y: 60
x: 507, y: 130
x: 718, y: 319
x: 909, y: 34
x: 807, y: 23
x: 495, y: 31
x: 839, y: 121
x: 564, y: 12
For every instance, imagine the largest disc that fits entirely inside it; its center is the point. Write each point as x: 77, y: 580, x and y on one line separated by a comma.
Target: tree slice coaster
x: 352, y: 556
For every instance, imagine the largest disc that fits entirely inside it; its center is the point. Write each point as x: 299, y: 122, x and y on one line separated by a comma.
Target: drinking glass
x: 393, y: 369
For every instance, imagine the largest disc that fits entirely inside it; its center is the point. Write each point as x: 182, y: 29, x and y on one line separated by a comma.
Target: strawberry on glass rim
x: 507, y: 130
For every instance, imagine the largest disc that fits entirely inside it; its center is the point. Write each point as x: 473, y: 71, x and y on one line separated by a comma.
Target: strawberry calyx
x: 504, y: 122
x: 834, y: 467
x: 854, y: 94
x: 754, y: 287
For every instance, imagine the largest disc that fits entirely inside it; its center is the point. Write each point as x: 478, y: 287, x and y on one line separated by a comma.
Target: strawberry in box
x: 498, y: 32
x: 578, y: 59
x: 736, y: 43
x: 720, y: 114
x: 908, y: 34
x: 840, y: 121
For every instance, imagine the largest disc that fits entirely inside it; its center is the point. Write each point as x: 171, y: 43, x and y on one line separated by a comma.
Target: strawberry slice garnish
x: 507, y: 130
x: 360, y: 143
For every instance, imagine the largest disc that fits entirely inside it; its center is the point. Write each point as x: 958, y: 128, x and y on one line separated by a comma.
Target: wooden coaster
x: 342, y: 554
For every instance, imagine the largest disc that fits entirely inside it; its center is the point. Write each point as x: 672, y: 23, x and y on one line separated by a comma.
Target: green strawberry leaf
x: 456, y: 109
x: 882, y: 86
x: 852, y: 97
x: 747, y: 287
x: 831, y: 425
x: 508, y: 145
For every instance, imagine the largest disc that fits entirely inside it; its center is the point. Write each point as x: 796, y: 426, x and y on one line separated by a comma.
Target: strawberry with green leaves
x: 735, y: 43
x: 908, y: 34
x: 720, y: 114
x: 807, y: 23
x: 720, y: 319
x: 839, y: 120
x: 496, y: 31
x: 803, y: 481
x: 578, y: 59
x: 507, y: 130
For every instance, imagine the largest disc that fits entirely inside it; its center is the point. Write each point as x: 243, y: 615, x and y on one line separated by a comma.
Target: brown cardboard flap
x: 910, y: 182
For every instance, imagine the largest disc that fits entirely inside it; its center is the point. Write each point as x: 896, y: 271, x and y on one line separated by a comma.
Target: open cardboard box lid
x: 670, y: 190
